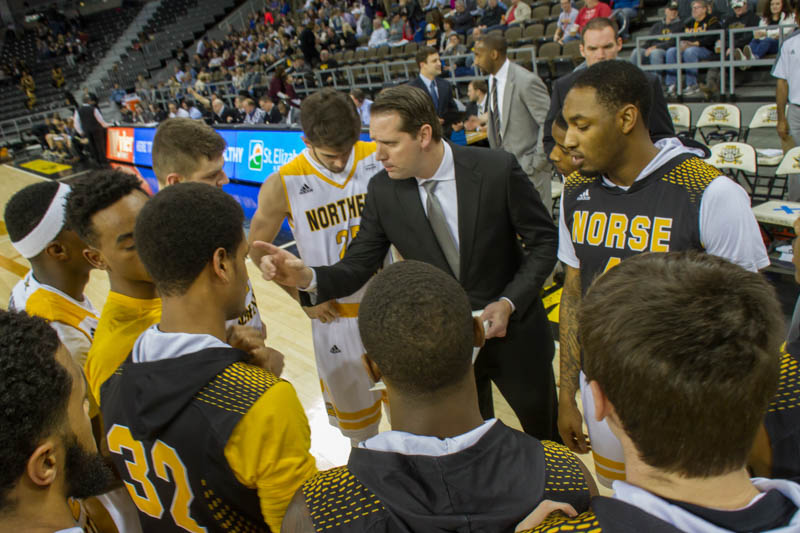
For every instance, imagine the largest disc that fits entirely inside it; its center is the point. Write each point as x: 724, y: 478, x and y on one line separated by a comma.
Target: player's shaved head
x: 416, y: 325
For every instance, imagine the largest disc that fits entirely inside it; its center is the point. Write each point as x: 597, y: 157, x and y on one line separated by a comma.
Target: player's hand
x: 245, y: 338
x: 283, y: 267
x: 542, y: 511
x: 796, y: 226
x: 324, y: 312
x: 268, y: 359
x: 570, y: 426
x: 497, y: 314
x: 783, y: 128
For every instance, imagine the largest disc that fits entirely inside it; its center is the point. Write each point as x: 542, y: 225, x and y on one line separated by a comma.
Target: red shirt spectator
x: 592, y: 10
x: 268, y: 20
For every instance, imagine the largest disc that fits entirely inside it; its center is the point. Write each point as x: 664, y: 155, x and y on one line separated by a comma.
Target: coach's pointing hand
x: 283, y: 267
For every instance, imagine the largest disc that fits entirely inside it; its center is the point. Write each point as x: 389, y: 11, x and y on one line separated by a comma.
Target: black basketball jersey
x: 171, y: 455
x: 658, y: 213
x: 490, y: 486
x: 782, y: 420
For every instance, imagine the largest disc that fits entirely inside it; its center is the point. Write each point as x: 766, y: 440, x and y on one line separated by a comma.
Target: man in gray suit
x: 518, y: 104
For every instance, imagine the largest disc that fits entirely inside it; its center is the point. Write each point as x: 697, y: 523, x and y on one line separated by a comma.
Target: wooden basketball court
x: 289, y: 331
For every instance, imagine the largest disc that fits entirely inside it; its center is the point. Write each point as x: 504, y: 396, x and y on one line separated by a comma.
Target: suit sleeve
x: 660, y: 122
x: 556, y: 103
x: 363, y: 258
x: 533, y: 224
x: 536, y: 99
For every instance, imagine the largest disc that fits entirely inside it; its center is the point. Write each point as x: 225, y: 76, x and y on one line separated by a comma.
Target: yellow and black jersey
x: 490, y: 485
x: 204, y: 441
x: 782, y: 420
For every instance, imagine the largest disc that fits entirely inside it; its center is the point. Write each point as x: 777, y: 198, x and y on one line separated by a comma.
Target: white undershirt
x: 728, y: 228
x: 411, y: 444
x: 155, y: 345
x: 500, y: 78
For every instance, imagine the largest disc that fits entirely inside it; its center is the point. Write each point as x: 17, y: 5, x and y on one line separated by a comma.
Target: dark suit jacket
x: 446, y: 102
x: 496, y: 202
x: 660, y: 122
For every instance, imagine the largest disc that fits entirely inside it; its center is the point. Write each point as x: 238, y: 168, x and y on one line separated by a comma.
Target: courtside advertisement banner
x: 119, y: 144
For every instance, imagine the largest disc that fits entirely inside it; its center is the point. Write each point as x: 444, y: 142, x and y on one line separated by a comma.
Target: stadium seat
x: 513, y: 35
x: 765, y: 116
x: 681, y: 116
x: 540, y: 13
x: 742, y: 163
x: 726, y: 119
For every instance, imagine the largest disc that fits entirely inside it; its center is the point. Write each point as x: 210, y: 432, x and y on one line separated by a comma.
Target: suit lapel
x: 508, y: 94
x: 468, y: 191
x: 408, y: 196
x: 441, y: 89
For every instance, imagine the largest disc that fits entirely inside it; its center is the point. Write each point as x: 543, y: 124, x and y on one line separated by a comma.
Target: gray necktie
x: 495, y: 115
x: 440, y: 227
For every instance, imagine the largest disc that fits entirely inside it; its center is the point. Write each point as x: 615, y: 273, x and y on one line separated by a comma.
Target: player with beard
x: 49, y: 454
x: 630, y: 196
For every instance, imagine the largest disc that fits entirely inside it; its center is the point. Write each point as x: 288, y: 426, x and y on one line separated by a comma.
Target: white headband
x: 48, y: 228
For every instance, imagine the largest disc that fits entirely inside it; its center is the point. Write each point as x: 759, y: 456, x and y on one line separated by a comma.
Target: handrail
x: 680, y: 66
x: 733, y: 62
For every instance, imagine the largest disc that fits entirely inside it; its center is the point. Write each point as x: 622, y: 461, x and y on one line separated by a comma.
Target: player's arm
x: 570, y: 421
x: 781, y: 98
x: 269, y: 450
x: 297, y: 518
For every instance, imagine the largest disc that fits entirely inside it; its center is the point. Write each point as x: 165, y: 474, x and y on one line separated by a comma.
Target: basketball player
x: 48, y: 451
x: 559, y: 155
x: 35, y: 218
x: 102, y: 208
x: 233, y: 436
x: 442, y: 467
x: 684, y: 381
x: 631, y: 196
x: 323, y: 191
x: 190, y: 150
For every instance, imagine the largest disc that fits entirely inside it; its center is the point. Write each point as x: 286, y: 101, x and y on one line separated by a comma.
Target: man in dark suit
x: 599, y: 42
x: 471, y: 212
x: 440, y: 91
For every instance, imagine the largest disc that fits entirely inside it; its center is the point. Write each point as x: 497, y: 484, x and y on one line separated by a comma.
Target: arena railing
x: 680, y: 66
x: 785, y: 30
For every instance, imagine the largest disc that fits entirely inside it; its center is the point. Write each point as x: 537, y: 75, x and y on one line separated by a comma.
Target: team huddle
x: 421, y: 265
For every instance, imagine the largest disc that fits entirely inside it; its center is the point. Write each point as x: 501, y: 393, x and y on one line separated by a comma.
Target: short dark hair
x: 423, y: 52
x: 179, y: 142
x: 600, y: 23
x: 416, y: 325
x: 358, y: 94
x: 480, y: 85
x: 93, y: 193
x: 494, y: 41
x: 34, y: 393
x: 329, y: 118
x: 26, y: 208
x: 178, y: 230
x: 561, y: 122
x: 685, y: 345
x: 617, y: 83
x: 414, y: 106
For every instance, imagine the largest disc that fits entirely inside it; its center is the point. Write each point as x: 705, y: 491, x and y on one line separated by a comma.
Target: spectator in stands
x: 280, y: 85
x: 766, y: 41
x: 379, y: 36
x: 519, y: 12
x: 362, y: 103
x: 222, y: 113
x: 463, y: 21
x: 308, y: 44
x: 655, y: 50
x: 271, y: 113
x: 363, y: 23
x: 477, y: 111
x: 396, y: 29
x: 693, y: 50
x: 348, y: 40
x: 192, y: 111
x: 117, y: 94
x: 742, y: 17
x: 591, y: 10
x: 58, y: 76
x: 442, y: 465
x: 49, y: 454
x: 28, y: 86
x: 300, y: 70
x: 462, y: 66
x: 492, y: 16
x: 253, y: 114
x: 567, y: 30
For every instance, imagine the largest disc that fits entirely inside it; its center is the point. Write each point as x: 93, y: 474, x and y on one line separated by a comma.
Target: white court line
x: 25, y: 172
x: 285, y: 246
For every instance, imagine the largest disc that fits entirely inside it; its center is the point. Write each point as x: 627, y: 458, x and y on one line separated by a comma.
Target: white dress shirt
x: 500, y: 78
x: 76, y: 121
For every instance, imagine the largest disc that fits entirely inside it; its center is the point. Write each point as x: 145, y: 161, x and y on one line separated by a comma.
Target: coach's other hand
x: 324, y: 312
x: 497, y: 314
x: 283, y: 267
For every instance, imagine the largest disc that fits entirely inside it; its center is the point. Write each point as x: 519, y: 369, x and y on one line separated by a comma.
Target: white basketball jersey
x: 326, y: 207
